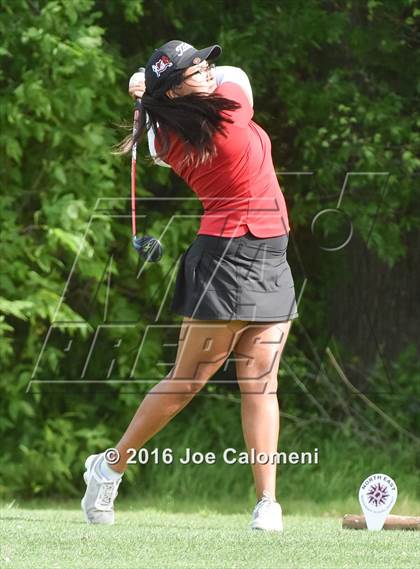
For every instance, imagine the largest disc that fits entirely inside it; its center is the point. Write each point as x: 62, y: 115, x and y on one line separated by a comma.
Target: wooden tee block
x: 352, y: 521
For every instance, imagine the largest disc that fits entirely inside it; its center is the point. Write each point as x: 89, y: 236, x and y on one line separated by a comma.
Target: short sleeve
x: 233, y: 91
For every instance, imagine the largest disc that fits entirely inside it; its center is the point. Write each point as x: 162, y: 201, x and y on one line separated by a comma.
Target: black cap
x: 172, y: 56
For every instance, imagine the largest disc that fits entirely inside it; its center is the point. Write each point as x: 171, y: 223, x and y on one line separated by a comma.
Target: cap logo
x: 196, y: 60
x: 182, y: 48
x: 161, y: 65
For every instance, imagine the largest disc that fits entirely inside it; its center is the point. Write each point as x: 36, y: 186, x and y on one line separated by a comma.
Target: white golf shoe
x: 267, y: 514
x: 98, y: 501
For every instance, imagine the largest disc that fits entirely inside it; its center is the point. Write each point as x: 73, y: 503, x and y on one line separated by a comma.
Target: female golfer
x: 234, y: 286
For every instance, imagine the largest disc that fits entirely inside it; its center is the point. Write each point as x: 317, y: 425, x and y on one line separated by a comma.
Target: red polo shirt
x: 238, y: 189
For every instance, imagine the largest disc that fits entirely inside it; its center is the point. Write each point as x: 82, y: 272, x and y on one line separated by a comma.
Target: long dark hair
x: 194, y: 118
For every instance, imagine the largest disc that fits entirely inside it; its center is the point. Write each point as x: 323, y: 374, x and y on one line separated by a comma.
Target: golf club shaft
x: 134, y: 169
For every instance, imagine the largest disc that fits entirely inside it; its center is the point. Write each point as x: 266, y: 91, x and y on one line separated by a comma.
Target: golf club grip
x: 134, y: 169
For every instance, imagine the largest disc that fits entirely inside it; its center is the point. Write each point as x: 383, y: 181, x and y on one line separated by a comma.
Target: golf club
x: 149, y: 248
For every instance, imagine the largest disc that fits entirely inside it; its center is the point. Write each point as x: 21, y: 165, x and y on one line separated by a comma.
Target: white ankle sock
x: 108, y: 472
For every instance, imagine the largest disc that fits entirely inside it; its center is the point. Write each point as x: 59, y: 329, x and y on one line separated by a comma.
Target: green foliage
x: 334, y: 85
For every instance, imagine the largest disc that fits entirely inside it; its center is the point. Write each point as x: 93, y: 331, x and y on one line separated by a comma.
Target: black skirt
x: 240, y: 278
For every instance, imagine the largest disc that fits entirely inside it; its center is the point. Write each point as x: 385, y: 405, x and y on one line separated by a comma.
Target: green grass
x: 190, y: 535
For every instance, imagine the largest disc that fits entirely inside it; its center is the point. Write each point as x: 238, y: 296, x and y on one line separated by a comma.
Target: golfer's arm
x: 227, y: 73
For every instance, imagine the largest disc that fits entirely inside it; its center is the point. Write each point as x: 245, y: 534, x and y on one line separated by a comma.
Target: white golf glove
x: 136, y: 85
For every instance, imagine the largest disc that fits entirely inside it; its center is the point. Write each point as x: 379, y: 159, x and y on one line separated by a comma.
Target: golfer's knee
x: 188, y: 386
x: 195, y: 386
x: 264, y: 385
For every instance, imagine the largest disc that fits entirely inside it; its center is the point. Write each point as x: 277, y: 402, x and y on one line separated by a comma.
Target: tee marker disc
x: 377, y: 496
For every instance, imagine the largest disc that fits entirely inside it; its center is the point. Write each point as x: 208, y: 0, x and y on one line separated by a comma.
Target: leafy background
x: 336, y: 87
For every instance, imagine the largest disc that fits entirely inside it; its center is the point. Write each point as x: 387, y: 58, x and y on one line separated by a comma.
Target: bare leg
x: 203, y: 347
x: 259, y: 351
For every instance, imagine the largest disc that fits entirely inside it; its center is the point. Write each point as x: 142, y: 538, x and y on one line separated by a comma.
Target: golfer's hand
x: 136, y: 86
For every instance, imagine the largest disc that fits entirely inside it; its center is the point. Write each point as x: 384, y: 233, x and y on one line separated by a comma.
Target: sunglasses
x: 201, y: 73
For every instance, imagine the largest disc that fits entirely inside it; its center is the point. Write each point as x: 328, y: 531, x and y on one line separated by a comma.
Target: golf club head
x: 148, y: 247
